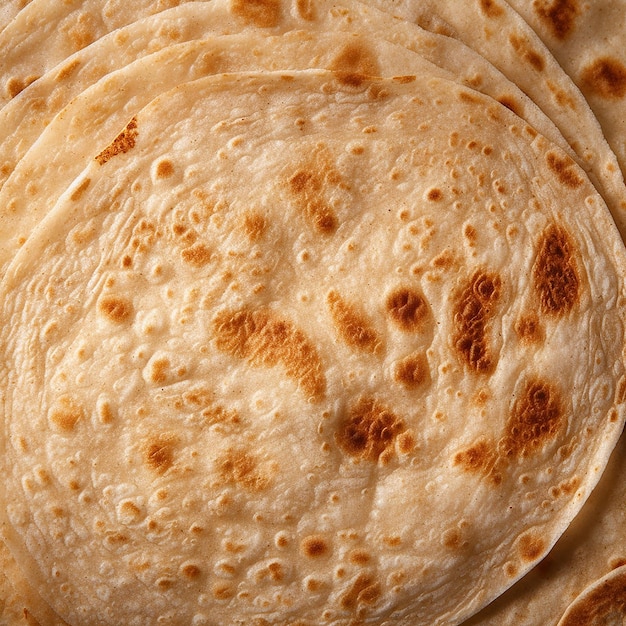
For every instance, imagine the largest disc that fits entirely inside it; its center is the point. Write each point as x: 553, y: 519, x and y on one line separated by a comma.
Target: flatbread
x: 209, y: 419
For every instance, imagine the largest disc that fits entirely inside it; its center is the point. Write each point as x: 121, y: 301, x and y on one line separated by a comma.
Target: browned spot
x: 130, y: 509
x: 81, y: 30
x: 604, y: 604
x: 351, y: 324
x: 491, y: 8
x: 565, y: 169
x: 78, y: 192
x: 536, y: 418
x: 197, y: 255
x: 558, y: 15
x: 265, y: 339
x: 222, y: 591
x: 159, y: 452
x: 406, y: 442
x: 354, y: 64
x: 67, y: 70
x: 306, y: 9
x: 261, y: 13
x: 480, y: 458
x: 255, y: 225
x: 606, y: 77
x: 555, y: 273
x: 530, y: 546
x: 124, y: 142
x: 241, y: 467
x: 434, y: 195
x: 404, y: 80
x: 528, y: 328
x: 526, y: 52
x: 407, y: 308
x: 307, y: 187
x: 115, y: 308
x: 359, y: 557
x: 67, y: 413
x: 314, y: 546
x: 164, y: 169
x: 15, y: 86
x: 159, y: 370
x: 364, y: 590
x: 412, y: 371
x: 369, y: 429
x: 474, y: 308
x: 510, y: 103
x: 191, y: 571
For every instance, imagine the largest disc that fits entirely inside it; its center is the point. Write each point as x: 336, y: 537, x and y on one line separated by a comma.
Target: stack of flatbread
x: 312, y: 312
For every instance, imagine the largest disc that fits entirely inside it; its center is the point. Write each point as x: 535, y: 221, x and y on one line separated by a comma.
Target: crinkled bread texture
x: 295, y: 349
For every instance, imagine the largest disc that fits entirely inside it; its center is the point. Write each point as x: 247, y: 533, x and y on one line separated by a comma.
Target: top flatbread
x: 190, y: 319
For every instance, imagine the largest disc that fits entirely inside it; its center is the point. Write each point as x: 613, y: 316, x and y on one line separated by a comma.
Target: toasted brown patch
x: 261, y: 13
x: 474, y: 307
x: 364, y: 590
x: 241, y: 467
x: 351, y: 324
x: 369, y: 429
x: 164, y: 168
x: 306, y: 9
x: 265, y: 339
x: 314, y: 546
x: 491, y: 8
x: 407, y: 309
x: 526, y: 52
x: 354, y: 64
x: 565, y: 169
x: 530, y: 546
x: 255, y: 224
x: 434, y: 195
x: 307, y: 187
x: 604, y: 604
x: 80, y: 190
x: 124, y: 142
x: 606, y: 77
x: 559, y: 16
x: 158, y: 452
x: 116, y: 309
x: 412, y: 371
x: 510, y: 103
x: 536, y: 418
x: 480, y: 458
x: 528, y: 329
x: 67, y: 413
x: 80, y: 31
x: 191, y: 571
x: 197, y: 255
x: 14, y: 86
x: 67, y: 70
x: 555, y: 273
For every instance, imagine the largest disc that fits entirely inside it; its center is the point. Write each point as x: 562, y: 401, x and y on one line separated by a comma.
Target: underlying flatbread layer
x: 308, y: 349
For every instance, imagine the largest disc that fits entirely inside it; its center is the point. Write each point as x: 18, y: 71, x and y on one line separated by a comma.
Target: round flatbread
x: 303, y: 348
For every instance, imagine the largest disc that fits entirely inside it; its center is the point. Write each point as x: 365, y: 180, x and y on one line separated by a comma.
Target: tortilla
x: 208, y: 418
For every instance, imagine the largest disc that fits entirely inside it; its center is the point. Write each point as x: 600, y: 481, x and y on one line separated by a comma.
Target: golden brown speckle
x: 369, y: 430
x: 67, y: 413
x: 314, y: 546
x: 474, y: 308
x: 261, y: 13
x: 116, y: 309
x: 555, y: 272
x: 605, y: 77
x: 124, y: 142
x: 159, y: 452
x: 407, y: 309
x: 265, y: 339
x: 565, y: 170
x: 352, y: 325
